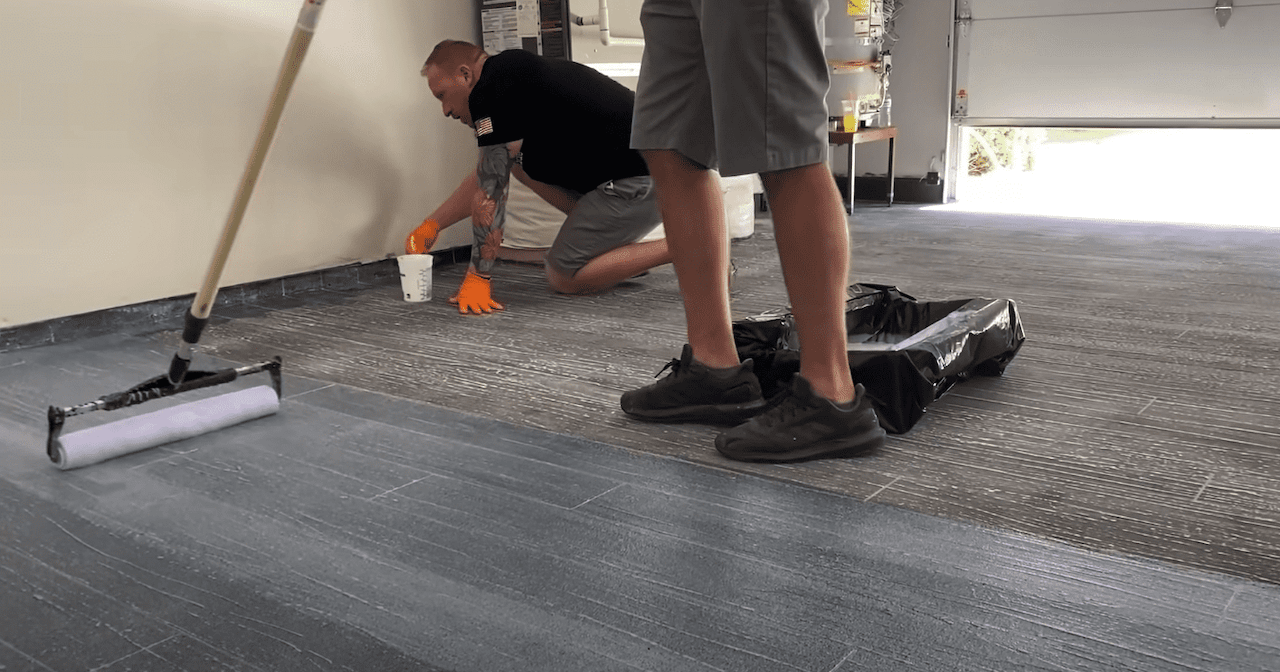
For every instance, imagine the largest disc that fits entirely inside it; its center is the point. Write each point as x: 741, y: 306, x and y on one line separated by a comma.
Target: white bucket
x: 415, y: 276
x: 739, y: 205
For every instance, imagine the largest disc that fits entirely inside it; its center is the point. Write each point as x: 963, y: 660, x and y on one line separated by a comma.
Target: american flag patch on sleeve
x: 484, y: 126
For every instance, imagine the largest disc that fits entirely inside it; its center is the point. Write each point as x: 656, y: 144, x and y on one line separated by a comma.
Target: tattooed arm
x: 489, y: 207
x: 488, y: 213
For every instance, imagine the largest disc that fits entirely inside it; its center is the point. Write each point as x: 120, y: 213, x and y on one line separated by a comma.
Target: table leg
x: 850, y: 208
x: 889, y: 193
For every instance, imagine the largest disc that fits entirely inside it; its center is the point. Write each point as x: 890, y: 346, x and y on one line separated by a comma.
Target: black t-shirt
x: 575, y: 122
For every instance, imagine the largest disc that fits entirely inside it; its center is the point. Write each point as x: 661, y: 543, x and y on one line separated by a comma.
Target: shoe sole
x: 822, y: 449
x: 716, y: 414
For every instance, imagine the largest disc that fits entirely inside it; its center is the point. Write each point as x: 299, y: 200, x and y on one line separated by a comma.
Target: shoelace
x: 674, y: 365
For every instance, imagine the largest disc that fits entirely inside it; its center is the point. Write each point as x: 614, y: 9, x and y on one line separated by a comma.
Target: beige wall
x: 918, y: 86
x: 125, y: 126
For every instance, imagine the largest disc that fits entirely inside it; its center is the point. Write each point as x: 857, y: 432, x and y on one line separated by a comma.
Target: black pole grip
x: 178, y: 369
x: 192, y: 327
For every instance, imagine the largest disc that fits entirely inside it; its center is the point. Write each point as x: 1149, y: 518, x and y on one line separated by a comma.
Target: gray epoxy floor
x: 1141, y: 416
x: 361, y: 531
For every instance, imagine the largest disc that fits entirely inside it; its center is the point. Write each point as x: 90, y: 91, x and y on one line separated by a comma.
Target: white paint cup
x: 415, y: 276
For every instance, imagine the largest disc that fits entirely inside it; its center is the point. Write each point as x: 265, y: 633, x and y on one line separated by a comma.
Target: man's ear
x: 467, y: 74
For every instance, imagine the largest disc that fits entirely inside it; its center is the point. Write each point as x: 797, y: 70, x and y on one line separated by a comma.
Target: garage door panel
x: 1003, y: 9
x: 1174, y: 64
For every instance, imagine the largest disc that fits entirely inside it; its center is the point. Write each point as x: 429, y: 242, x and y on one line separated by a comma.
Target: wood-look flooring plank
x: 88, y: 596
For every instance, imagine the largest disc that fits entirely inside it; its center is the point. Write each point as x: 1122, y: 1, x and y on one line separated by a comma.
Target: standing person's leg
x: 822, y: 413
x: 693, y: 217
x: 767, y: 78
x: 673, y: 129
x: 707, y: 382
x: 813, y: 245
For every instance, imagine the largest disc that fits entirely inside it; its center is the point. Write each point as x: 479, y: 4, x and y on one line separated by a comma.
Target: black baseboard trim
x: 161, y: 314
x: 452, y: 256
x: 871, y: 188
x: 905, y: 189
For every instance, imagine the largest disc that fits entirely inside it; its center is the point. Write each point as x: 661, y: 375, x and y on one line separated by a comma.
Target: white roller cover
x: 96, y: 444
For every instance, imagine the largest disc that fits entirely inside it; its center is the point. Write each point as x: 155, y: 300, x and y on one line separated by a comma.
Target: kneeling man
x: 563, y: 129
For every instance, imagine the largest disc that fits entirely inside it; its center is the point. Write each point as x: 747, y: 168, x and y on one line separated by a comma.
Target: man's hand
x: 422, y: 238
x: 474, y: 296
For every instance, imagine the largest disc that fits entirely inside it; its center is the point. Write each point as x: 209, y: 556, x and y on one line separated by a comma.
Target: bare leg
x: 693, y: 216
x: 611, y: 268
x: 813, y: 245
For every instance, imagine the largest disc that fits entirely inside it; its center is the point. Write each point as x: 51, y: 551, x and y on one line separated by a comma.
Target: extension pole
x: 201, y: 307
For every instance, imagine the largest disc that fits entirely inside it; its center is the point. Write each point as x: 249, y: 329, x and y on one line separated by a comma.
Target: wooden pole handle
x: 298, y: 43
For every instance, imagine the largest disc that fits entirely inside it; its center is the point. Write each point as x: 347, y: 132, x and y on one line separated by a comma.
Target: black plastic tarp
x: 905, y: 352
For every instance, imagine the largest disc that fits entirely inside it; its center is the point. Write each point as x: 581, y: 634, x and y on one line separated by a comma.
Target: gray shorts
x: 616, y: 213
x: 736, y: 84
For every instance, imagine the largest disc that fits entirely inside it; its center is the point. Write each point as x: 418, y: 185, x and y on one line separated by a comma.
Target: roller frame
x: 155, y: 388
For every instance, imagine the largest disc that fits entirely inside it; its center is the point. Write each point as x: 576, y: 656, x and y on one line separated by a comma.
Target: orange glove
x: 474, y: 295
x: 422, y: 238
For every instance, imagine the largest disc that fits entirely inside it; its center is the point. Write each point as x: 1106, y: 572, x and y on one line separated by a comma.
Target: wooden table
x: 858, y: 137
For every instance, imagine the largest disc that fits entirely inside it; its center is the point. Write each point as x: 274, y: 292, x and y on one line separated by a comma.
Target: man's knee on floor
x: 563, y: 282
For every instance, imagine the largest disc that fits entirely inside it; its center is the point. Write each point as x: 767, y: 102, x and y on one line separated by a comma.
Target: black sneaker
x: 804, y: 426
x: 693, y: 392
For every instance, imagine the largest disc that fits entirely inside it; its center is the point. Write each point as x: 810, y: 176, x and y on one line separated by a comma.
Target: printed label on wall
x: 533, y: 25
x: 498, y: 26
x: 859, y: 7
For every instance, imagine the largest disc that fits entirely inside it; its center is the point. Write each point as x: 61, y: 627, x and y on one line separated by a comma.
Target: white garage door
x: 1117, y: 63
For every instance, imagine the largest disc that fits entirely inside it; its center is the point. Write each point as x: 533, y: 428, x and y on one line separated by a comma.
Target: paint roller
x: 113, y: 439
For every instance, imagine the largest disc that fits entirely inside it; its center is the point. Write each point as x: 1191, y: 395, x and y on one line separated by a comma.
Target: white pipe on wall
x: 606, y: 38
